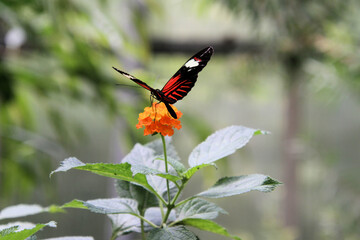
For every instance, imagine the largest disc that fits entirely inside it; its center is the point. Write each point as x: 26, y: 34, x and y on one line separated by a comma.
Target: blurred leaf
x: 21, y: 210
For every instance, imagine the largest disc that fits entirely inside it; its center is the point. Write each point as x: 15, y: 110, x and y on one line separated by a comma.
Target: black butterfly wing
x: 138, y: 81
x: 184, y: 79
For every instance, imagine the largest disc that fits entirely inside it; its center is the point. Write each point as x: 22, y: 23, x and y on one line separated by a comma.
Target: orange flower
x: 157, y: 119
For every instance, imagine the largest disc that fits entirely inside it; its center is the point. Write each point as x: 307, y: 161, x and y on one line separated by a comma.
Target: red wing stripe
x: 172, y: 88
x: 171, y: 82
x: 138, y: 81
x: 181, y: 90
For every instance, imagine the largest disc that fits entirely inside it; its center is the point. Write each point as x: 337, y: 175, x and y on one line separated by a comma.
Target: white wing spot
x: 191, y: 63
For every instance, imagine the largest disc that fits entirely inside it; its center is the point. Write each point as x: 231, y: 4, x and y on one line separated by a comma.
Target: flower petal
x: 156, y: 119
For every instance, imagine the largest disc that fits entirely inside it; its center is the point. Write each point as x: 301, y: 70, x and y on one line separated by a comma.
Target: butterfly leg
x: 152, y: 106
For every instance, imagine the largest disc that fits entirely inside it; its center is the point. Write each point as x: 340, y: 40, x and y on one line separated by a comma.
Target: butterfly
x: 181, y: 83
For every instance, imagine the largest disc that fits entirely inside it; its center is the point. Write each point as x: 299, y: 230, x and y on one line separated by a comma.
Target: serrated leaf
x: 6, y: 229
x: 71, y: 238
x: 172, y: 233
x: 24, y: 231
x: 198, y: 208
x: 68, y: 164
x: 221, y: 144
x: 16, y: 227
x: 210, y: 226
x: 21, y: 210
x: 113, y: 206
x: 229, y: 186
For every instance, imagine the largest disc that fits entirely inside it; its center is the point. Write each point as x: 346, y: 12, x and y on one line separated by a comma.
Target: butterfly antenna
x: 126, y: 85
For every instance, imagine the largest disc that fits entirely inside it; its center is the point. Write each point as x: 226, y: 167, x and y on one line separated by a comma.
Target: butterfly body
x: 180, y: 83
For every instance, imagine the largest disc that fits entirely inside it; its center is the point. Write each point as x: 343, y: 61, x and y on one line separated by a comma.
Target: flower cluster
x: 156, y: 119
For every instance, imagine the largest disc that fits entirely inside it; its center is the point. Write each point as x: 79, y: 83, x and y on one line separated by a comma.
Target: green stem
x: 114, y: 235
x: 161, y: 209
x: 172, y: 204
x: 184, y: 201
x: 143, y: 237
x: 142, y: 226
x: 166, y: 167
x: 144, y: 219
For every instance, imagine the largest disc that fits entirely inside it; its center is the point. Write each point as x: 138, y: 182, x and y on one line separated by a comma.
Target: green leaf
x: 198, y: 208
x: 144, y: 198
x: 71, y: 238
x: 21, y: 210
x: 172, y: 233
x: 113, y: 206
x: 157, y: 146
x: 210, y: 226
x: 74, y: 204
x: 154, y: 215
x: 68, y: 164
x: 221, y: 144
x: 119, y: 171
x: 21, y: 233
x: 150, y: 171
x: 191, y: 171
x: 177, y: 165
x: 5, y: 230
x: 124, y: 223
x: 127, y: 223
x: 229, y: 186
x: 141, y: 157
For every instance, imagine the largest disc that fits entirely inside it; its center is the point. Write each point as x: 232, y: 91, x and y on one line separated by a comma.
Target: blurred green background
x: 289, y: 67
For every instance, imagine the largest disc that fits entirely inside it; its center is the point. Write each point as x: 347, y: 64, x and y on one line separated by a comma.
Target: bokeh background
x: 289, y: 67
